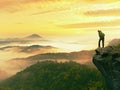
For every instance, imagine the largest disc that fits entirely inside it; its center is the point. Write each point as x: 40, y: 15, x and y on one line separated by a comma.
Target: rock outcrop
x: 107, y: 60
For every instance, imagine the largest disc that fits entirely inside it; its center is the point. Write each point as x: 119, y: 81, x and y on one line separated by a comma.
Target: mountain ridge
x: 84, y: 56
x: 28, y: 49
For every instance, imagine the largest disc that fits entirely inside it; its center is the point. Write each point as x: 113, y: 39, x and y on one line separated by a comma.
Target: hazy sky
x: 74, y: 22
x: 66, y: 24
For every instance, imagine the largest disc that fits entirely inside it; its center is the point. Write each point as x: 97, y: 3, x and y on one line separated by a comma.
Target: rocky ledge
x: 107, y: 60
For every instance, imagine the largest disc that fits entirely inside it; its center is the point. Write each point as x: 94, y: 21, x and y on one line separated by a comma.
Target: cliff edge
x: 107, y: 60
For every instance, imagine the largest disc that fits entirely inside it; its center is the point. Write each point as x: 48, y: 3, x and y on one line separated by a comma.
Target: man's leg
x: 103, y: 42
x: 99, y: 42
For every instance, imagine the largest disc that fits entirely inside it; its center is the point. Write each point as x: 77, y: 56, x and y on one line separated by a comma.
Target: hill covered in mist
x: 30, y: 39
x: 84, y: 56
x: 30, y: 49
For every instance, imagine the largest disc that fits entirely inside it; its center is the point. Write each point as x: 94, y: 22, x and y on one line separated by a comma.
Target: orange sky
x: 70, y: 25
x: 77, y: 19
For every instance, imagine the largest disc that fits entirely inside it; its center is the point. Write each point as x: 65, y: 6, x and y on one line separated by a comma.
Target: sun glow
x: 53, y: 19
x: 60, y: 25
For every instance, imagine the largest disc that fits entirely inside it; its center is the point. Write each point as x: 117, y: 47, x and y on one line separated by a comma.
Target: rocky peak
x: 34, y: 36
x: 107, y: 60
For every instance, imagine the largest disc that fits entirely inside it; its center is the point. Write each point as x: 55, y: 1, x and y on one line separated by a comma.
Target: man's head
x: 99, y: 30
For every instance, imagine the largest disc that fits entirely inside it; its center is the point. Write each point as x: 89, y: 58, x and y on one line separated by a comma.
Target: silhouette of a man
x: 101, y: 38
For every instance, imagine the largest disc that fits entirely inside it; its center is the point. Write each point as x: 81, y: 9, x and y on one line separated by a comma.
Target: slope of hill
x: 56, y: 76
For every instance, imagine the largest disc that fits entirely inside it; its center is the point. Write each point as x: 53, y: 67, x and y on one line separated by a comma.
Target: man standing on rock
x: 101, y: 38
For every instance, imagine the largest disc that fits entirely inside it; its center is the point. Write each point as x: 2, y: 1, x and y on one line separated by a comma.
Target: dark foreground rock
x: 107, y: 60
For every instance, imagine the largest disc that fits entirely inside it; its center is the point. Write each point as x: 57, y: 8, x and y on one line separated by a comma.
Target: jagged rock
x: 107, y: 60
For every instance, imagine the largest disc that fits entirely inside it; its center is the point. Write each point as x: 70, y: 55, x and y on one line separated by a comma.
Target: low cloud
x: 51, y: 11
x: 13, y: 40
x: 33, y: 49
x: 99, y: 1
x: 13, y: 6
x: 92, y: 24
x: 107, y: 12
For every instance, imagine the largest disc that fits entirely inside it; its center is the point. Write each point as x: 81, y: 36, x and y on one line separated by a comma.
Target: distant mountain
x: 30, y: 49
x: 81, y: 56
x: 114, y: 42
x: 13, y: 41
x: 55, y: 76
x: 33, y: 36
x: 26, y: 40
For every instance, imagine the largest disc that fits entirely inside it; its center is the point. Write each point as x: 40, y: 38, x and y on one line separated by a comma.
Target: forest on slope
x: 49, y: 75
